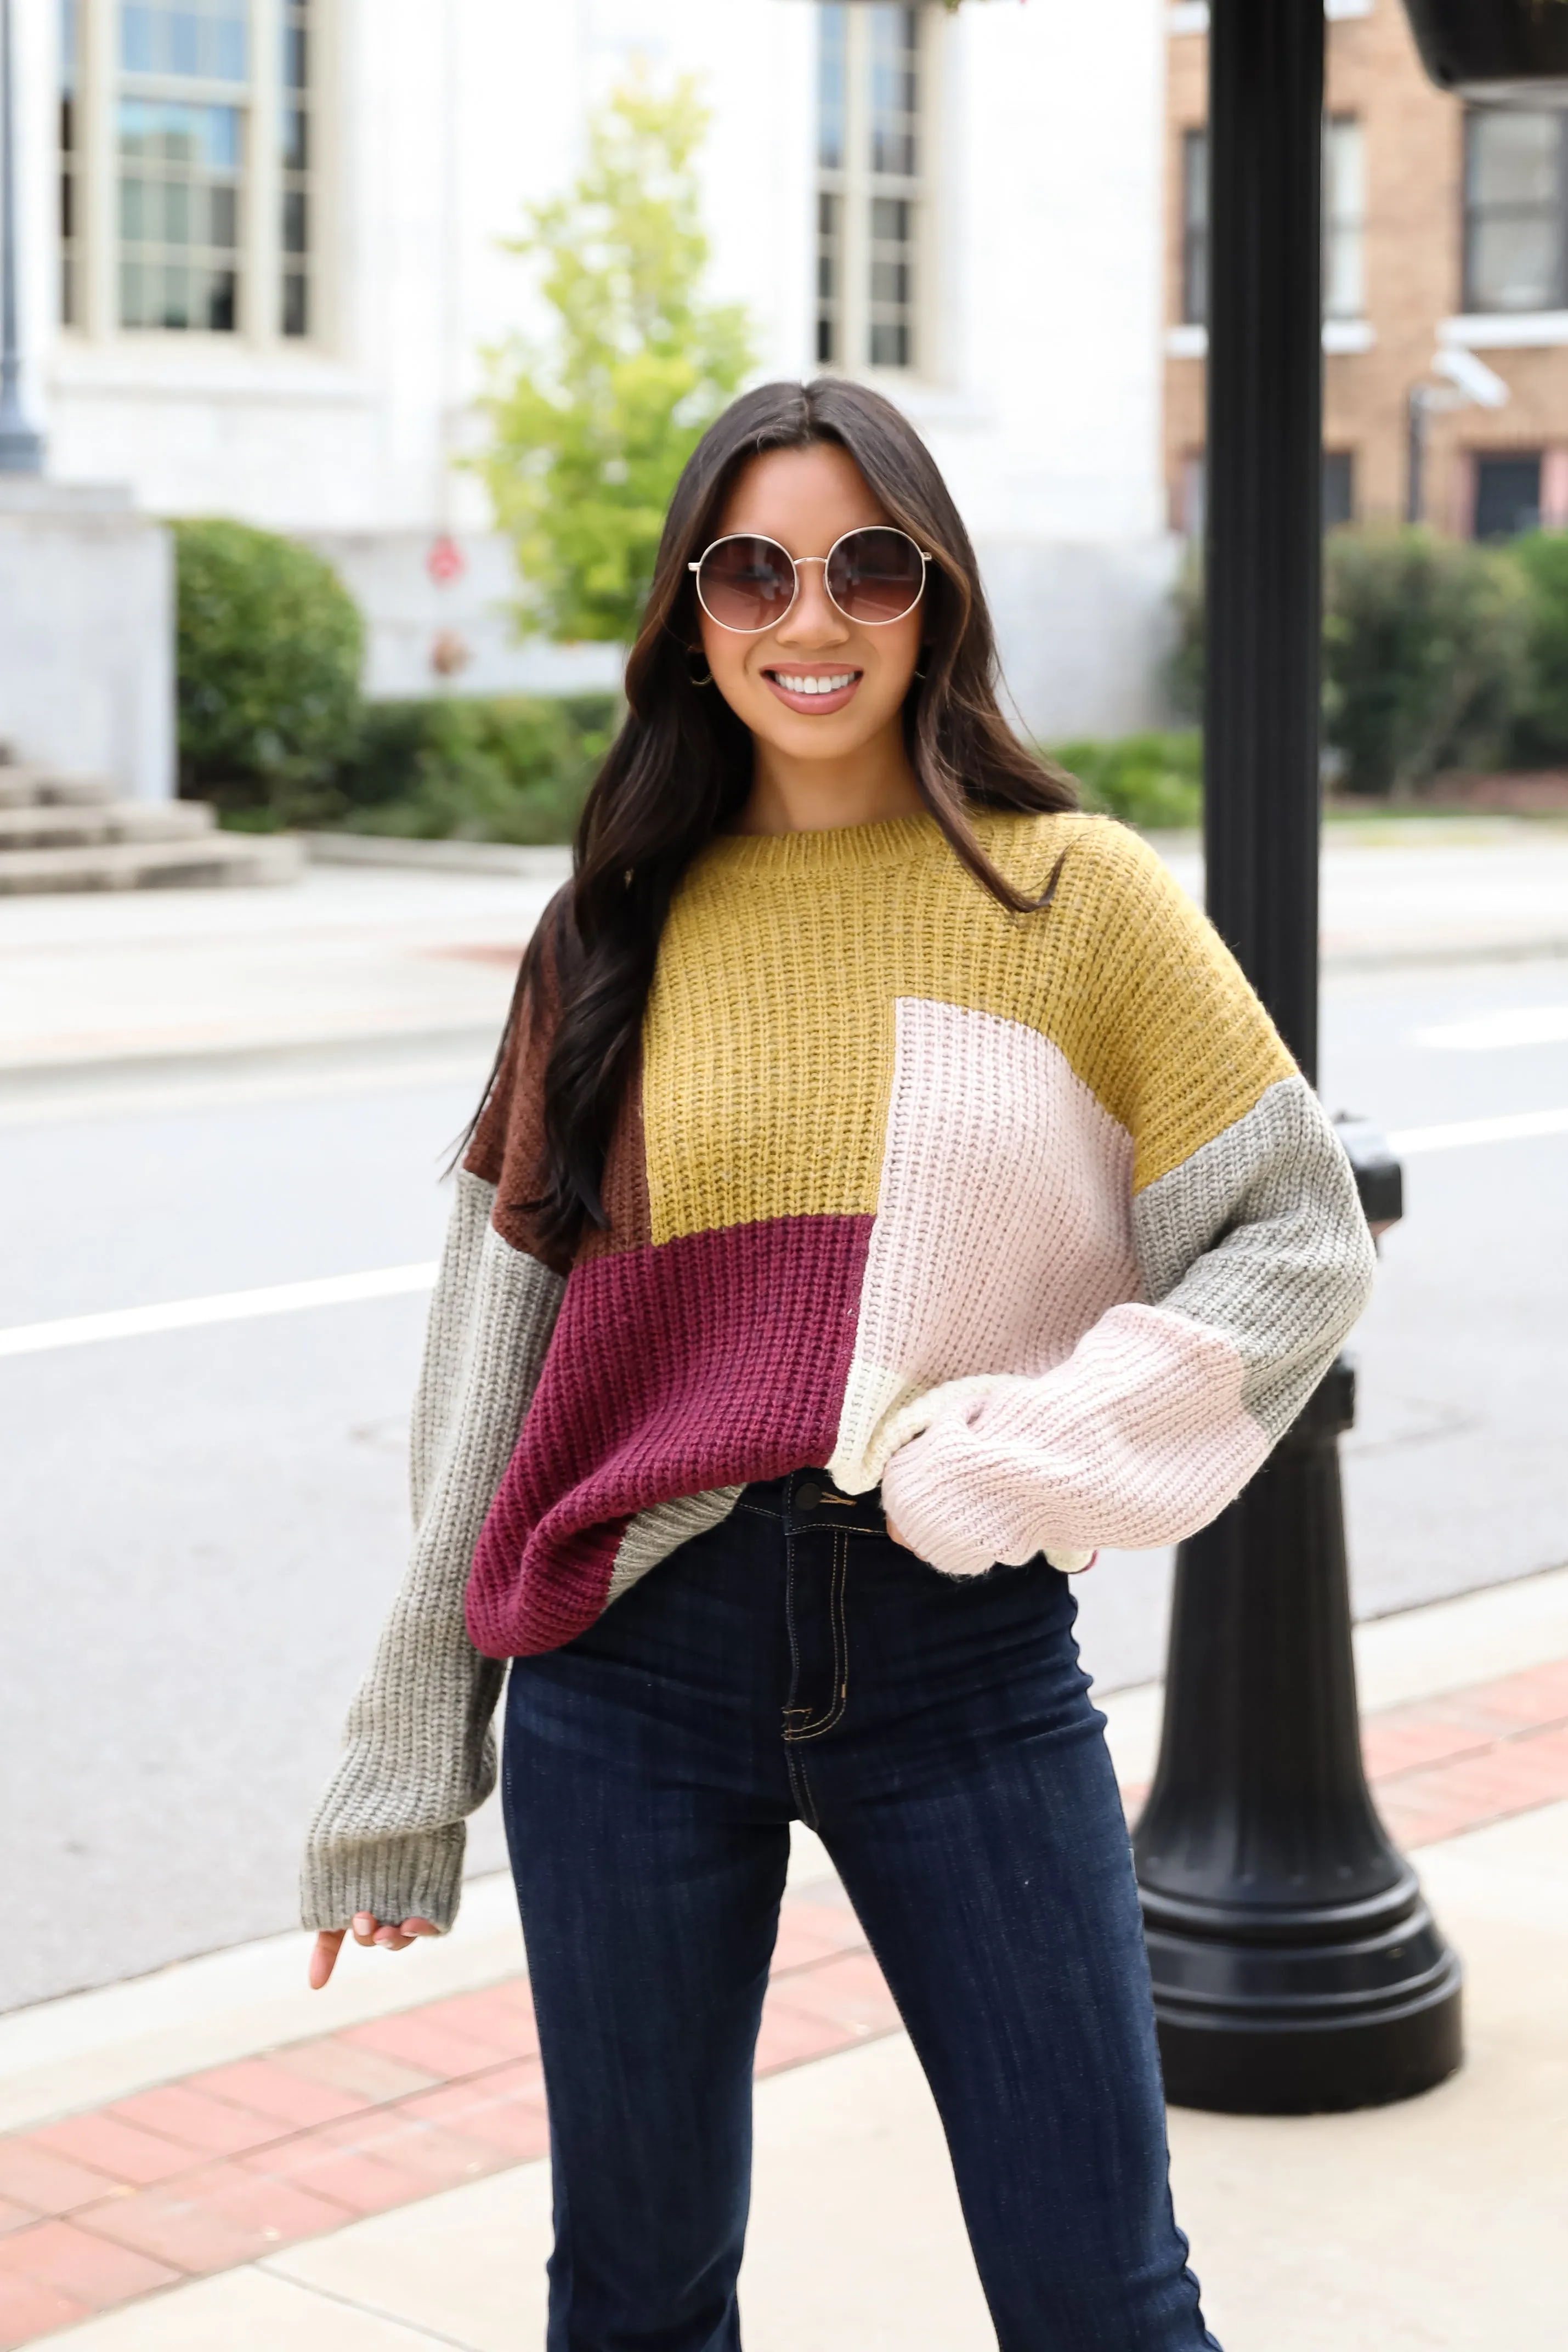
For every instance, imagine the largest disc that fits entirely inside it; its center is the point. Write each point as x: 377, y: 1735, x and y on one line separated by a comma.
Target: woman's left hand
x: 898, y: 1538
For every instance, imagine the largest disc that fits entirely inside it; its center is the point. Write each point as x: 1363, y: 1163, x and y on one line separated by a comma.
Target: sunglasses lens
x: 875, y: 575
x: 746, y: 583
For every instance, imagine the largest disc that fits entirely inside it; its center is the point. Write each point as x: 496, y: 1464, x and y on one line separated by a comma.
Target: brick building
x: 1446, y: 229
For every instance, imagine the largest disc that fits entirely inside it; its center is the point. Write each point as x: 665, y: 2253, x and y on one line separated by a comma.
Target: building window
x: 200, y: 215
x: 1516, y: 200
x: 1343, y: 209
x: 1345, y: 214
x: 70, y: 162
x: 297, y: 196
x: 182, y: 121
x: 1190, y: 487
x: 1508, y: 494
x: 1194, y: 227
x: 872, y: 171
x: 1338, y: 491
x: 1339, y: 487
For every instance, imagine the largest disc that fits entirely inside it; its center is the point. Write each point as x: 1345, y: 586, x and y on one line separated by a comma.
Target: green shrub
x: 1151, y: 781
x: 1184, y: 665
x: 1426, y: 652
x: 513, y: 768
x: 268, y: 648
x: 1426, y: 644
x: 1540, y: 730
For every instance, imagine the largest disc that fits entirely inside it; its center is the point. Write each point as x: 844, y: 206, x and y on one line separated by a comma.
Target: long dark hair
x: 680, y: 767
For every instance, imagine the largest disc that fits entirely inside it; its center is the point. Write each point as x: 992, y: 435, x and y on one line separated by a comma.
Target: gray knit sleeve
x: 419, y: 1750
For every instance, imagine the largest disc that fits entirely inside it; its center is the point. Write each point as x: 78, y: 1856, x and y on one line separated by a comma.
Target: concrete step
x: 68, y: 827
x: 213, y: 860
x: 40, y: 788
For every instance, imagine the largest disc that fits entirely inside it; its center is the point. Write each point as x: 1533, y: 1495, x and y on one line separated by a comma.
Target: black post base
x: 1306, y: 2072
x: 1307, y: 2027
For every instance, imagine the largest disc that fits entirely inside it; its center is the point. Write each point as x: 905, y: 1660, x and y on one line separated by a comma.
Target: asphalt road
x: 202, y: 1528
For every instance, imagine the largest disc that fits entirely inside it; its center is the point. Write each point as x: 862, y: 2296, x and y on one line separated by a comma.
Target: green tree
x: 589, y: 435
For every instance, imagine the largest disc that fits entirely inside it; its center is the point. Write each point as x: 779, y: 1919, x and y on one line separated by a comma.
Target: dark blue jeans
x: 937, y: 1732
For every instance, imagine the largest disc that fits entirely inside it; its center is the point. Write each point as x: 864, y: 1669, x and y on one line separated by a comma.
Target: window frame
x: 1192, y: 166
x: 1340, y: 466
x: 1479, y: 460
x: 1344, y: 223
x: 1194, y: 288
x: 93, y: 168
x: 1472, y: 217
x: 854, y: 188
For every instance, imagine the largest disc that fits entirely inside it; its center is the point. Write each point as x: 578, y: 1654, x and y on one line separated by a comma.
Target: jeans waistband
x: 809, y: 1498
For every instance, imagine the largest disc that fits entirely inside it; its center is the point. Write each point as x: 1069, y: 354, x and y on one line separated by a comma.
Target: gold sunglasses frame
x: 795, y: 562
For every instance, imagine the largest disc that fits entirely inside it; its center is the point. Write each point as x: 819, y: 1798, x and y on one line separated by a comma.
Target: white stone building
x: 261, y: 253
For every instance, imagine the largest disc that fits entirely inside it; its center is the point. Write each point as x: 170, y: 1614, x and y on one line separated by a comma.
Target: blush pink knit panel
x: 1140, y: 1437
x: 1003, y: 1225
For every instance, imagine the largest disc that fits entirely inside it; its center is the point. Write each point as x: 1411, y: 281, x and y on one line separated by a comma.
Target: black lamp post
x: 1295, y: 1964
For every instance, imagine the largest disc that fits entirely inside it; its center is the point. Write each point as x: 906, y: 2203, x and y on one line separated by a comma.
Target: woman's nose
x: 813, y: 616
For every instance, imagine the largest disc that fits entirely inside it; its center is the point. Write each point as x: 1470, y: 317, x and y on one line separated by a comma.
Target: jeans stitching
x: 840, y: 1692
x: 799, y: 1784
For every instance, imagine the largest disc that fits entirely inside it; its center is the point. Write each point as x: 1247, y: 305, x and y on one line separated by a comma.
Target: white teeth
x: 815, y: 684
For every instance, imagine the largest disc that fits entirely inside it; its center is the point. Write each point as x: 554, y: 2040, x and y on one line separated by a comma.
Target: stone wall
x: 87, y: 636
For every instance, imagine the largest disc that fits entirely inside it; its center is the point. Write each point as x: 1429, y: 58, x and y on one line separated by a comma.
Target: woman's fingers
x: 367, y: 1930
x: 324, y: 1956
x: 398, y: 1939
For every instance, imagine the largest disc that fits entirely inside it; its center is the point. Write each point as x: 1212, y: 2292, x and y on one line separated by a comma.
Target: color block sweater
x: 1028, y: 1218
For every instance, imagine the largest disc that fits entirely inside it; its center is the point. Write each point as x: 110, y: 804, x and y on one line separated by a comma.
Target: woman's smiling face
x: 816, y: 685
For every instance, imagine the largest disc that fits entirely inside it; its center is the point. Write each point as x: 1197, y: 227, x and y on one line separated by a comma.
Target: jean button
x: 808, y: 1498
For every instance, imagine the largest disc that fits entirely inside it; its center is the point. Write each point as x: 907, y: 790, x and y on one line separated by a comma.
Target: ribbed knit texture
x: 1028, y: 1218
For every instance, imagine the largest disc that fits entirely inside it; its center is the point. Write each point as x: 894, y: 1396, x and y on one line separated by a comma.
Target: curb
x: 550, y: 862
x: 282, y: 1056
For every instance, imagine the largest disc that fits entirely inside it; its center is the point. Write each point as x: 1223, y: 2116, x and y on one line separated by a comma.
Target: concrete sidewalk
x: 379, y: 958
x: 1434, y: 2224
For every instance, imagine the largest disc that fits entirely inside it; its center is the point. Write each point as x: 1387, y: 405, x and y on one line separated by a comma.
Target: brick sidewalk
x: 223, y: 2167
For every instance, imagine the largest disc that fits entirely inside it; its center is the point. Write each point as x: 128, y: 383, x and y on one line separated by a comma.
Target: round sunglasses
x: 747, y: 584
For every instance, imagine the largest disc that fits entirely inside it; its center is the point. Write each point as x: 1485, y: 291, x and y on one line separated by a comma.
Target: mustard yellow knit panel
x: 768, y: 1037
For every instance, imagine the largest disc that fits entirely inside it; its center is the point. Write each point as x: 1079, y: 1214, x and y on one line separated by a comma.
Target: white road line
x: 1514, y: 1127
x: 221, y: 1307
x: 394, y: 1281
x: 1491, y: 1032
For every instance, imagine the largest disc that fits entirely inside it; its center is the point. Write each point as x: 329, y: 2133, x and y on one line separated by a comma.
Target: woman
x: 888, y: 1190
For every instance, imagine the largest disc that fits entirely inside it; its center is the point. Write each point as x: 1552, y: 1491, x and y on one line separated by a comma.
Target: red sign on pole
x: 445, y: 562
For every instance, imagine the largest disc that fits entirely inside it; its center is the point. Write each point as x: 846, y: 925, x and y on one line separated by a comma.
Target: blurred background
x: 351, y: 353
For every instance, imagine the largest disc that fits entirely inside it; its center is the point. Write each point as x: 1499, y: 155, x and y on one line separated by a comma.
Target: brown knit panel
x: 507, y: 1149
x: 625, y: 1188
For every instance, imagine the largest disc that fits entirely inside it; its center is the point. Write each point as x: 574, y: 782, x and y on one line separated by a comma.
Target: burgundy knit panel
x: 706, y: 1361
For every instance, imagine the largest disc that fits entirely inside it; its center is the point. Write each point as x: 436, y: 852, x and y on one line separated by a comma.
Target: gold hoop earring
x: 707, y: 678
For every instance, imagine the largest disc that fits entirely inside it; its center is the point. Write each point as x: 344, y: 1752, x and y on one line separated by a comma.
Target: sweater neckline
x: 828, y: 850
